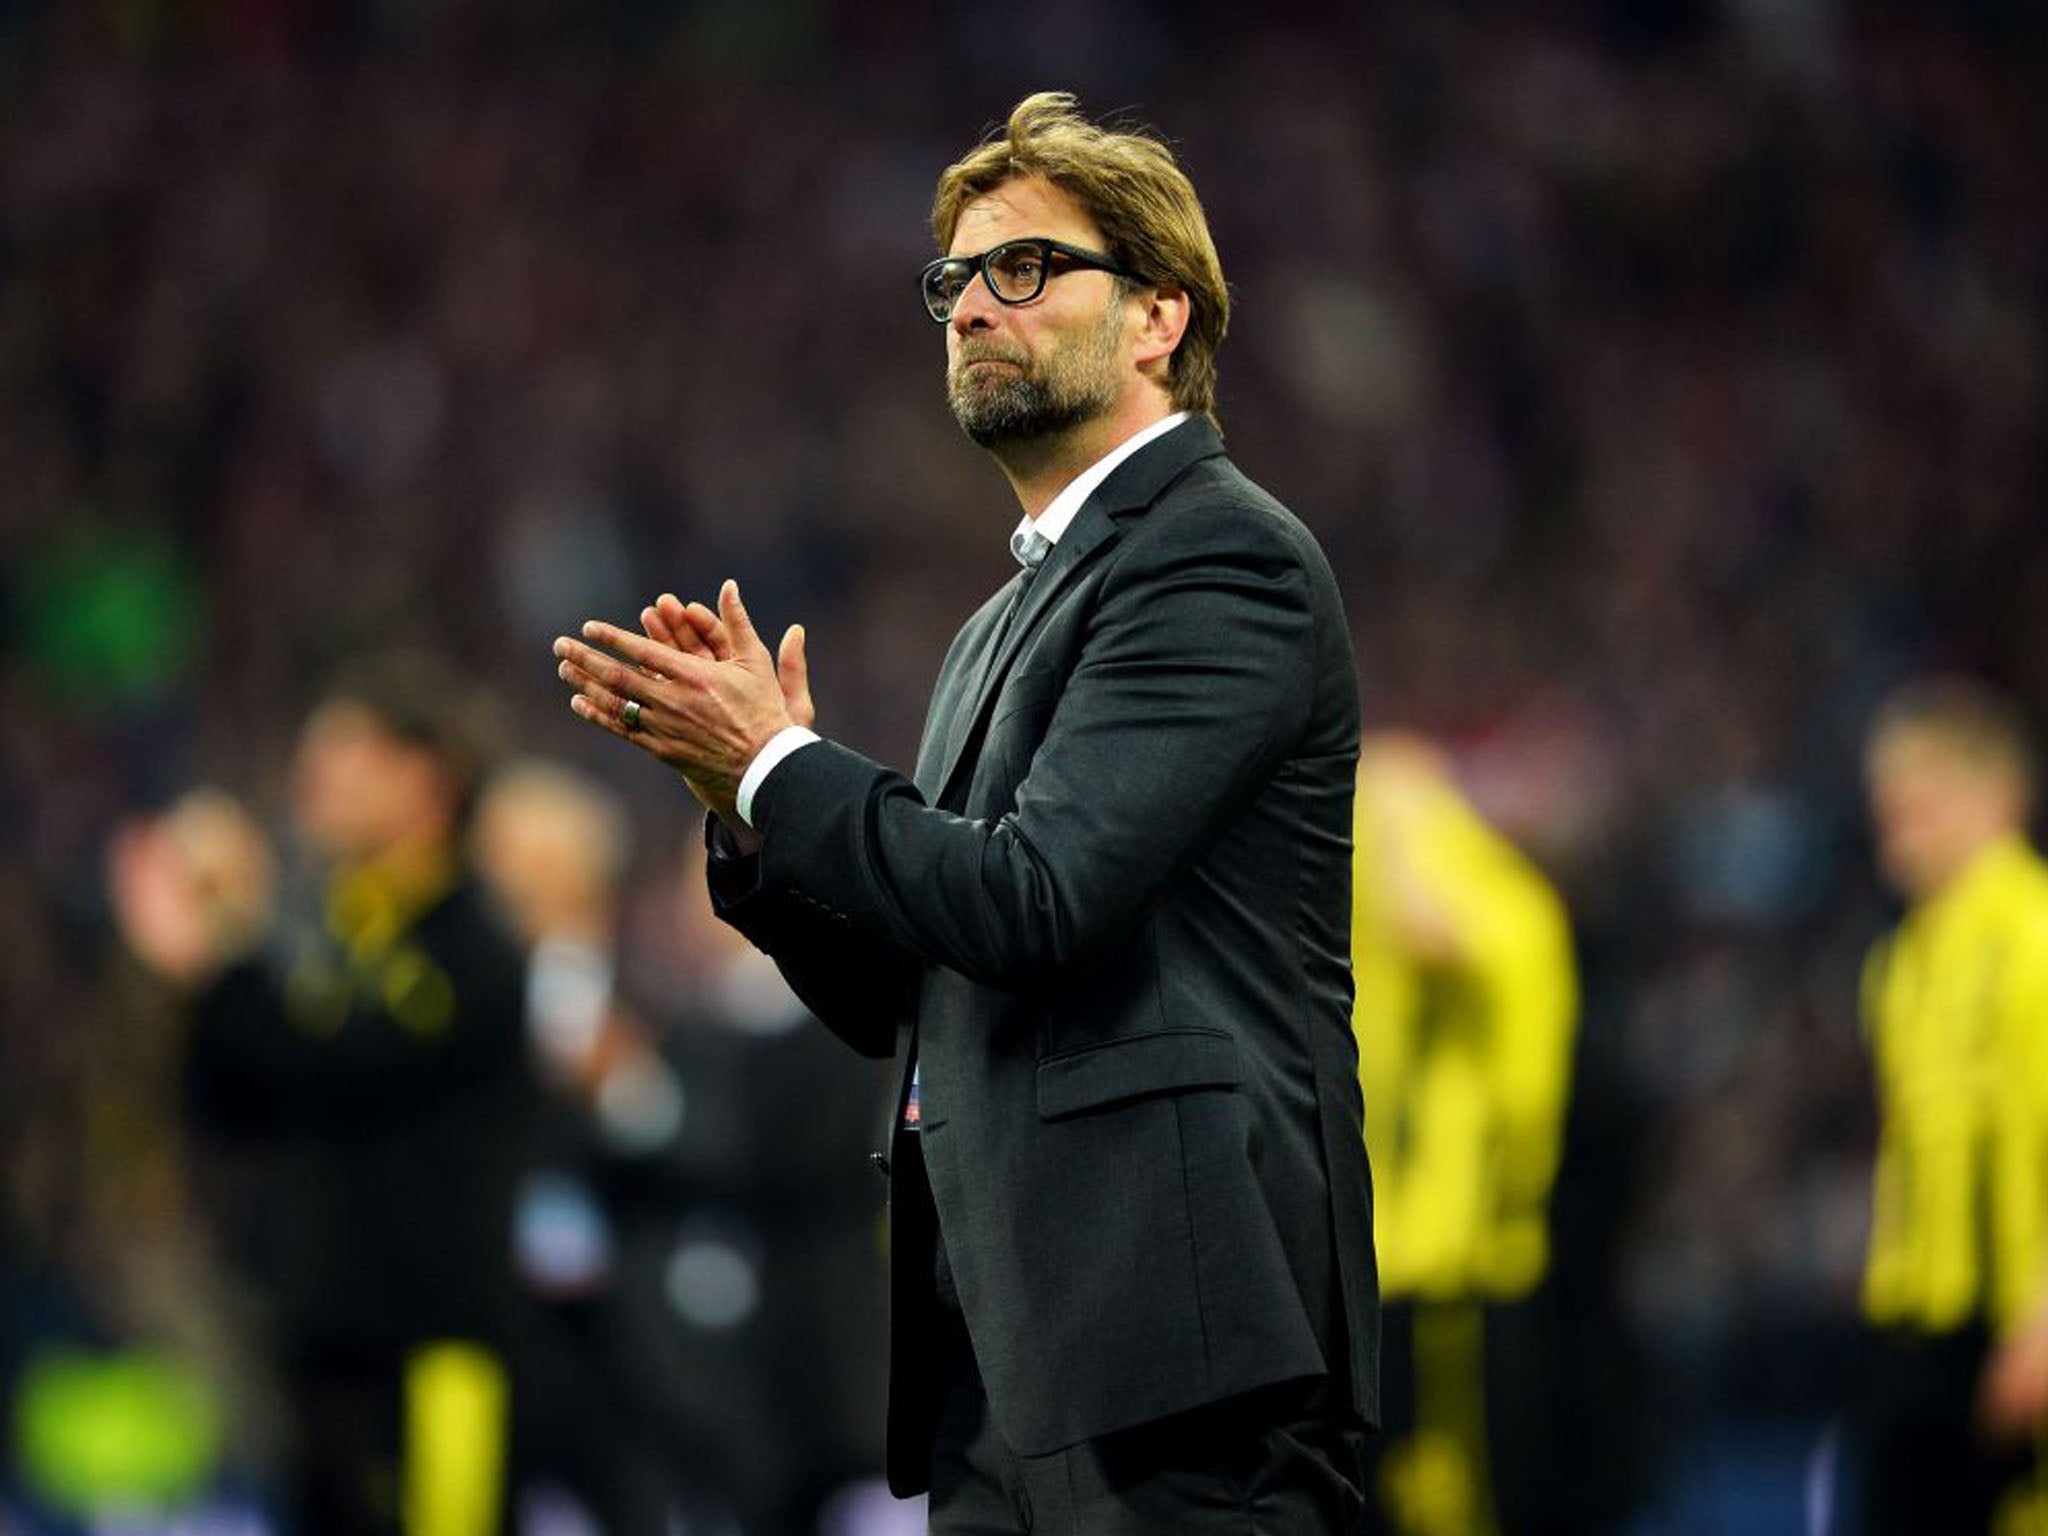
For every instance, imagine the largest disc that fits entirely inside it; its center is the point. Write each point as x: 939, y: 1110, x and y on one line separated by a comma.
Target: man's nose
x: 975, y: 309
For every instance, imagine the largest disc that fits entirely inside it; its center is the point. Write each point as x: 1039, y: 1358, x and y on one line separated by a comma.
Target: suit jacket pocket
x: 1135, y: 1067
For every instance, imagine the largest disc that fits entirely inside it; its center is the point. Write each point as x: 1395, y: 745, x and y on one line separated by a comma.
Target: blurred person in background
x: 369, y: 1059
x: 774, y: 1274
x: 1956, y: 1011
x: 1467, y: 1003
x: 552, y: 846
x: 703, y: 1219
x: 1105, y: 930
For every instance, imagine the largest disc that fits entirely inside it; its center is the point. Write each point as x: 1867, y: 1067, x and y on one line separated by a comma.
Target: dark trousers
x: 1271, y: 1463
x: 349, y: 1429
x: 1922, y: 1463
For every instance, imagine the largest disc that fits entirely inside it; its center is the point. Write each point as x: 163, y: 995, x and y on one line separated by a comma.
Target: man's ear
x: 1162, y: 321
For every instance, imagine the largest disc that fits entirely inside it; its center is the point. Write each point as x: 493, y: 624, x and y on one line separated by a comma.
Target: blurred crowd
x: 1665, y: 380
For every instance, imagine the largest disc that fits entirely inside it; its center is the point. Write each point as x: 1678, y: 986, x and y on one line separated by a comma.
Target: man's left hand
x: 706, y: 718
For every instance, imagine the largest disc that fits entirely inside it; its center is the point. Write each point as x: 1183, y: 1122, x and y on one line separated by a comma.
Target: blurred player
x: 1465, y: 1015
x: 1956, y: 1011
x: 371, y: 1061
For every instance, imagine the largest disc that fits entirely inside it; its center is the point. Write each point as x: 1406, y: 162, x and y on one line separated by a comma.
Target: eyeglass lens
x: 1016, y: 275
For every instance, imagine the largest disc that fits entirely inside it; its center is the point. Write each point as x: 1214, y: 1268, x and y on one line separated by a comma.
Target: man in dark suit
x: 1105, y: 925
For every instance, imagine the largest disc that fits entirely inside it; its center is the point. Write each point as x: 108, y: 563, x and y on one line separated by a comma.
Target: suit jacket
x: 1109, y: 918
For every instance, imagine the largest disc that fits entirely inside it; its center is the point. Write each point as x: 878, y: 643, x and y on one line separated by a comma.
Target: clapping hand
x: 698, y: 691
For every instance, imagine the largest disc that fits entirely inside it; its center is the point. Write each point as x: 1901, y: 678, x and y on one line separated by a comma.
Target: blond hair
x: 1980, y: 726
x: 1132, y: 187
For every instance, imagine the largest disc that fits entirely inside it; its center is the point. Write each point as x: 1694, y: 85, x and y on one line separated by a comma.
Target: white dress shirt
x: 1030, y: 542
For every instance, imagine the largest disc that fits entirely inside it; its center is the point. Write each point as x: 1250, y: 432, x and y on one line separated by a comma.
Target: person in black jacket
x: 371, y: 1062
x: 1105, y: 926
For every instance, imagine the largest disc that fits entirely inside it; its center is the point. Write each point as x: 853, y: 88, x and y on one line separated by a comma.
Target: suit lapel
x: 1068, y: 556
x: 958, y: 682
x: 1135, y: 485
x: 1014, y: 610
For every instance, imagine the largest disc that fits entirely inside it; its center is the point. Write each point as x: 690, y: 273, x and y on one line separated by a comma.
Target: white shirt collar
x: 1033, y: 538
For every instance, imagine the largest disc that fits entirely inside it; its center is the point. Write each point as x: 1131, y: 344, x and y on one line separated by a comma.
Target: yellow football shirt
x: 1465, y: 1053
x: 1955, y: 1005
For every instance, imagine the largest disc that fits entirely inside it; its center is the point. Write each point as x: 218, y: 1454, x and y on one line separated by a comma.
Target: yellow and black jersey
x: 1464, y: 1045
x: 379, y: 1068
x: 1955, y: 1005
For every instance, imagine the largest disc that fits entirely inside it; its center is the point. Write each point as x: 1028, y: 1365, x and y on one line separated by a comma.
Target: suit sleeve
x: 859, y: 989
x: 1192, y: 685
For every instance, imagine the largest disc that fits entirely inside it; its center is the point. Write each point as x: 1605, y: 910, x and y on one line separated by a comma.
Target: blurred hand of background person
x: 193, y: 889
x: 2014, y: 1398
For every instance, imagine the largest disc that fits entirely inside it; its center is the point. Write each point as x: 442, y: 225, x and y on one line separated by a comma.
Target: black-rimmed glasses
x: 1016, y: 272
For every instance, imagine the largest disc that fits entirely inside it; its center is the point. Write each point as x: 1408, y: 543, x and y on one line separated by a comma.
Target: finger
x: 710, y: 629
x: 609, y: 698
x: 733, y: 609
x: 665, y: 620
x: 603, y: 718
x: 642, y: 652
x: 793, y: 670
x: 606, y: 707
x: 606, y: 700
x: 655, y: 628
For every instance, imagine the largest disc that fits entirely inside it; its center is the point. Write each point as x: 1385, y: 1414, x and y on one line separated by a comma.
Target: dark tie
x: 1001, y: 633
x: 1024, y: 579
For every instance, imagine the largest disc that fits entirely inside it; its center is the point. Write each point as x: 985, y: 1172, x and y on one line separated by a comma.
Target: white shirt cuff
x: 780, y: 745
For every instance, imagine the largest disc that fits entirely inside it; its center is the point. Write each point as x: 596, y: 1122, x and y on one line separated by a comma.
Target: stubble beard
x: 1021, y: 401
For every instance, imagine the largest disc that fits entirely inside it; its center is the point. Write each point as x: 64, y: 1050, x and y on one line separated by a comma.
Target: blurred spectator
x: 708, y: 1217
x: 1956, y: 1005
x: 1467, y: 1002
x: 373, y: 1060
x: 771, y: 1280
x: 552, y: 844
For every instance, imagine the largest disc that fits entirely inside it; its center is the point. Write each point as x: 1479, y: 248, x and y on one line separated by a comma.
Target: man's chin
x: 989, y: 411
